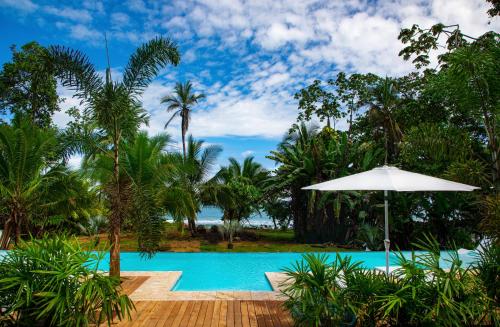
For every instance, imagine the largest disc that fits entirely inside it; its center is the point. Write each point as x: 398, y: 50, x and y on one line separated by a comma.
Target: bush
x: 420, y: 293
x: 55, y: 282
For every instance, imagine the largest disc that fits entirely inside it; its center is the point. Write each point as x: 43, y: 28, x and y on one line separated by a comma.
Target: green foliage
x: 188, y: 179
x: 28, y: 86
x: 487, y: 269
x: 37, y: 192
x: 420, y: 293
x: 143, y: 175
x: 371, y: 236
x: 237, y: 190
x: 278, y: 210
x: 112, y: 115
x: 55, y: 282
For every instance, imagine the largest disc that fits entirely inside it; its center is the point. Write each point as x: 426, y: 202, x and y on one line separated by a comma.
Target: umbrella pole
x: 387, y: 242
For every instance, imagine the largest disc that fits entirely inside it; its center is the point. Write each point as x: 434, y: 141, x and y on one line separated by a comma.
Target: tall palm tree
x: 115, y: 108
x: 192, y: 174
x: 383, y: 105
x: 181, y: 103
x: 143, y: 178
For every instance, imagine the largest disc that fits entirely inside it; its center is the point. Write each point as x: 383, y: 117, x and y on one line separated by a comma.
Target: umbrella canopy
x: 388, y: 178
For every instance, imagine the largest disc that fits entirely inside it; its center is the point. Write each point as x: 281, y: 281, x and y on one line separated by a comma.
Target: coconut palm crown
x: 181, y: 103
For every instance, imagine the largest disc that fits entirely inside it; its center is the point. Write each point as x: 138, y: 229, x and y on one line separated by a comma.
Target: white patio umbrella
x: 389, y: 178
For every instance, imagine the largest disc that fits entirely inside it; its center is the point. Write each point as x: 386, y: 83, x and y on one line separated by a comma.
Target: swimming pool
x: 209, y: 271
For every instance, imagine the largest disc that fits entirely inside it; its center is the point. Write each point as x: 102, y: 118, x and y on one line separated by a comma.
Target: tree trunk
x: 115, y: 218
x: 7, y: 230
x: 192, y: 226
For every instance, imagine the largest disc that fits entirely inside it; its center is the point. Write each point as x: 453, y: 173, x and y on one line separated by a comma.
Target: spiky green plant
x: 54, y: 282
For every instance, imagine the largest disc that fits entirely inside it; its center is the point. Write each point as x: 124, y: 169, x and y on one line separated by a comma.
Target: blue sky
x: 248, y: 57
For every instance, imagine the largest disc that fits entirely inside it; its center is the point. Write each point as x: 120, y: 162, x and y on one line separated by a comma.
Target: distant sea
x: 212, y: 216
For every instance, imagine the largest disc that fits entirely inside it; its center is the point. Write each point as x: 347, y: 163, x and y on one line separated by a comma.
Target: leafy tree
x: 181, y: 102
x: 495, y: 11
x: 28, y: 85
x: 278, y: 210
x: 114, y: 109
x: 317, y: 101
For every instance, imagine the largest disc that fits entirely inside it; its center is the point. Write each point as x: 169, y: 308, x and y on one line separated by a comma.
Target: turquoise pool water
x: 232, y: 271
x: 209, y: 271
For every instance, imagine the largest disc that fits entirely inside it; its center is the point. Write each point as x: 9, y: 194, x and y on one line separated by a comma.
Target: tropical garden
x: 442, y: 120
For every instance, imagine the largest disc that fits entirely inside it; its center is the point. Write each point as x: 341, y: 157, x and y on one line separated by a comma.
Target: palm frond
x: 146, y: 62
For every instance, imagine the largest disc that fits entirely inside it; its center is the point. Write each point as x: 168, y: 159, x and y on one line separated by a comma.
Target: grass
x: 260, y: 241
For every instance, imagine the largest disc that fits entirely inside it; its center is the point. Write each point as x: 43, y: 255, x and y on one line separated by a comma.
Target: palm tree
x: 143, y: 174
x: 36, y: 189
x: 237, y: 190
x: 382, y: 108
x: 307, y: 156
x: 192, y: 174
x: 114, y: 108
x: 180, y: 103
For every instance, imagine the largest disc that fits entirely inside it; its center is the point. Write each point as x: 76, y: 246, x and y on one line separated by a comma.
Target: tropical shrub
x: 55, y: 282
x: 421, y: 293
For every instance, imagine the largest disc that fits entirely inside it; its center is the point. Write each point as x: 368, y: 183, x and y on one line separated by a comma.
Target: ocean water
x: 212, y: 216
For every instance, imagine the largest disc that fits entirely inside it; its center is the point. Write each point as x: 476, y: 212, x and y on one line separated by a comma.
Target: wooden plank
x: 187, y: 314
x: 237, y: 313
x: 144, y: 314
x: 252, y: 316
x: 134, y: 314
x: 208, y: 316
x: 175, y: 311
x: 180, y: 314
x: 284, y: 315
x: 167, y: 308
x: 273, y: 313
x: 261, y: 321
x: 223, y: 314
x: 216, y: 314
x: 230, y: 314
x: 245, y: 321
x: 156, y: 314
x: 194, y: 313
x: 201, y: 315
x: 132, y: 283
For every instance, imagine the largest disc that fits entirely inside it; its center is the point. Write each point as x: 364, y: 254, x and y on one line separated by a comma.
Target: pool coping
x: 158, y: 287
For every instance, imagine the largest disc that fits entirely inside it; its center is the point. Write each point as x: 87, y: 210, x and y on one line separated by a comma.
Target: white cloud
x: 79, y: 15
x: 84, y: 33
x: 264, y: 51
x: 119, y: 20
x: 22, y: 5
x: 247, y: 153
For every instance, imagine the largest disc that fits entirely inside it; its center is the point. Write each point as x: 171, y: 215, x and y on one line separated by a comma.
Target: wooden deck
x: 220, y: 313
x: 209, y: 313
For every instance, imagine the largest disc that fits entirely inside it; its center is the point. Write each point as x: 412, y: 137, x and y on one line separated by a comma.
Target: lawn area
x: 250, y: 240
